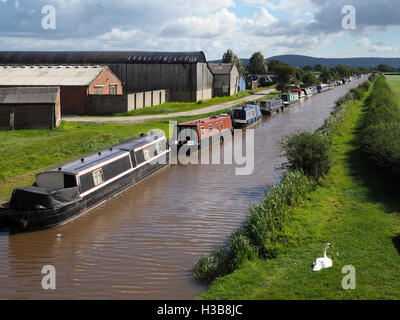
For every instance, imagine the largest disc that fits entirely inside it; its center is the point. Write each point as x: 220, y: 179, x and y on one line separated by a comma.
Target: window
x: 210, y: 127
x: 146, y: 154
x: 98, y: 176
x: 98, y: 89
x: 216, y: 125
x: 222, y: 127
x: 113, y: 89
x: 159, y: 147
x: 203, y: 131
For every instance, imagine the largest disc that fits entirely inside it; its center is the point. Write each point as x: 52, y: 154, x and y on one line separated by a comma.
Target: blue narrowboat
x: 245, y: 115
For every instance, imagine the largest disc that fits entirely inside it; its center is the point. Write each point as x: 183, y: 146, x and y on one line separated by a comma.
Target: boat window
x: 222, y: 127
x: 216, y: 125
x: 69, y: 181
x: 98, y: 176
x: 203, y: 131
x: 159, y: 147
x: 146, y: 154
x: 210, y: 127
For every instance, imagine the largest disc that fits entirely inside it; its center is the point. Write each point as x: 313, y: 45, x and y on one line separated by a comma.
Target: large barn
x: 185, y: 74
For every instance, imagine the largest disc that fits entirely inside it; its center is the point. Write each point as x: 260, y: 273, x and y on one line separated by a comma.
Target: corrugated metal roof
x: 28, y: 95
x: 221, y: 68
x: 99, y: 57
x: 49, y: 75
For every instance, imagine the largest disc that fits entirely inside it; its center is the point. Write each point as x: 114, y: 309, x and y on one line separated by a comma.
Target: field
x: 354, y: 209
x: 394, y: 82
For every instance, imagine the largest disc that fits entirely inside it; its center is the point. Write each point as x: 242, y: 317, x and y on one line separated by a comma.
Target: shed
x: 184, y: 74
x: 226, y: 79
x: 75, y: 82
x: 29, y: 108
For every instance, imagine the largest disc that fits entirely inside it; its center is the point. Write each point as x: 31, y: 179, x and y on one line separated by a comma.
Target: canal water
x: 143, y: 243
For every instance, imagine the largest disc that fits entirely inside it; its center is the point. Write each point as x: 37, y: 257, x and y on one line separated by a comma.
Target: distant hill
x: 302, y: 61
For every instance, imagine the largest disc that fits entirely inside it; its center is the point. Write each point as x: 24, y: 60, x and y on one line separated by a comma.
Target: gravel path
x: 195, y: 112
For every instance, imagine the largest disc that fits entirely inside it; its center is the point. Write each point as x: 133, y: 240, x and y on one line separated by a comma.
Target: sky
x: 274, y: 27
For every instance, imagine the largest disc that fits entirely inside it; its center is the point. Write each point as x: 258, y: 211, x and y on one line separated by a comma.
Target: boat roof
x: 77, y: 165
x: 243, y: 107
x: 204, y: 120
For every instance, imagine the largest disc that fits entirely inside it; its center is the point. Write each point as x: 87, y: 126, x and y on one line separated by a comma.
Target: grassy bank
x: 173, y: 107
x: 353, y: 208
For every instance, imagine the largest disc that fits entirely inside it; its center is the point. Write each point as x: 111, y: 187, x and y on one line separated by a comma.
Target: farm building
x: 29, y: 108
x: 76, y: 82
x: 226, y: 79
x: 184, y: 74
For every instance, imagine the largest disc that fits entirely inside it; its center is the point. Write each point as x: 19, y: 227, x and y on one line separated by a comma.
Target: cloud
x: 209, y: 25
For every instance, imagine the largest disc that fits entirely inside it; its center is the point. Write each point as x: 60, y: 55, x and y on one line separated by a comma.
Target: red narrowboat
x: 300, y: 92
x: 197, y: 132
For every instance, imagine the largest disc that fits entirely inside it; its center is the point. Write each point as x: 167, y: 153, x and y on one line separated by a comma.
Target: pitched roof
x: 221, y: 68
x: 99, y: 57
x: 31, y: 95
x: 49, y: 75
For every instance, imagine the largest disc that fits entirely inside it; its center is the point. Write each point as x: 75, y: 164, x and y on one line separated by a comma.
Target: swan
x: 325, y: 262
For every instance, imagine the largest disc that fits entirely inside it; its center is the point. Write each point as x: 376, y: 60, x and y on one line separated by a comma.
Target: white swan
x: 325, y: 262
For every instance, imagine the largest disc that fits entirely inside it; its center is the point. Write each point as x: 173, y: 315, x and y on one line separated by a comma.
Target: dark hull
x: 37, y: 220
x: 247, y: 124
x: 272, y: 111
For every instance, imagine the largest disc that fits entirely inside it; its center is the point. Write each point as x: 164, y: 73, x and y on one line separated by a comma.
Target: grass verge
x: 173, y: 107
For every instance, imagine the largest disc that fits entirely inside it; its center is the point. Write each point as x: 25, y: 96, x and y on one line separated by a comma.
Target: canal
x: 143, y: 243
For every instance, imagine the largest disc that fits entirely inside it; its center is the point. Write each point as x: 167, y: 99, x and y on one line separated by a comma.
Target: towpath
x: 195, y: 112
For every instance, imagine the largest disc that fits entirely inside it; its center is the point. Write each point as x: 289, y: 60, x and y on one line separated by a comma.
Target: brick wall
x: 105, y: 79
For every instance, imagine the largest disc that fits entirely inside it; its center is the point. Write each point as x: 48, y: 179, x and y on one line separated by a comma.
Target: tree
x: 273, y: 65
x: 309, y: 78
x: 385, y: 68
x: 326, y: 75
x: 308, y: 68
x: 257, y: 64
x: 230, y: 57
x: 283, y: 74
x: 318, y: 68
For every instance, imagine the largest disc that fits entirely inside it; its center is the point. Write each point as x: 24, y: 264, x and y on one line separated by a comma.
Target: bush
x: 308, y: 152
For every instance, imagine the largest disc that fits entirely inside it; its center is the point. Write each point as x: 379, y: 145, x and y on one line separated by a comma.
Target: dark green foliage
x: 308, y: 152
x: 380, y: 133
x: 257, y: 64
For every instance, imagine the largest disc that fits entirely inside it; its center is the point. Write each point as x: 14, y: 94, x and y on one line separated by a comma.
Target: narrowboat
x: 245, y: 115
x: 290, y: 98
x: 308, y: 92
x: 322, y: 87
x: 299, y: 92
x: 64, y: 192
x: 204, y: 130
x: 270, y: 106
